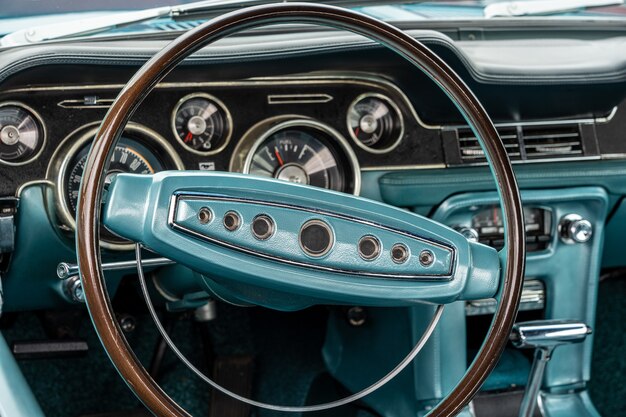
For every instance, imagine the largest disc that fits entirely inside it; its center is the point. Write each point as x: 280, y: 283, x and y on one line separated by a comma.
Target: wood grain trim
x: 162, y: 63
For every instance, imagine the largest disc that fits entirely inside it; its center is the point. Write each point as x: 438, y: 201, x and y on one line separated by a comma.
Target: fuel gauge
x: 202, y: 124
x: 21, y: 134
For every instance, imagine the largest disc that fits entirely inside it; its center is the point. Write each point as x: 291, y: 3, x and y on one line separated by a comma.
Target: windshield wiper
x: 542, y: 7
x: 105, y: 23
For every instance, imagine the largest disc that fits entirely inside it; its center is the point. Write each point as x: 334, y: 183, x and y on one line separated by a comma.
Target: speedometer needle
x: 188, y: 137
x: 277, y: 153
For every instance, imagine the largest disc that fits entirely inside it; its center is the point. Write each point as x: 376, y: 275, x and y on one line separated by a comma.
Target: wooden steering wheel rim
x: 151, y: 73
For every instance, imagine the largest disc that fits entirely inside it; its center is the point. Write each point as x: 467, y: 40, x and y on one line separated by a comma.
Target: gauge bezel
x: 44, y: 133
x: 393, y: 106
x: 143, y: 133
x: 216, y: 101
x: 342, y: 143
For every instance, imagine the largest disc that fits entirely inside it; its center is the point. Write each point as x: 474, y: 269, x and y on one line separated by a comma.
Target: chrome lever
x: 544, y: 336
x: 67, y: 270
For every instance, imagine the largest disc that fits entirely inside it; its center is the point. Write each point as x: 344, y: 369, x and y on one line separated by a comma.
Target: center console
x: 565, y: 232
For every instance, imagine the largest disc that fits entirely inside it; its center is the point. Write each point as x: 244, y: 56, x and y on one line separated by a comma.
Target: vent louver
x: 526, y: 143
x: 552, y: 142
x: 471, y: 151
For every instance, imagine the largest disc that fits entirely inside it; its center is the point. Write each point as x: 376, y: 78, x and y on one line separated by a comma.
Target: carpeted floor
x: 608, y: 373
x: 287, y: 351
x: 287, y: 348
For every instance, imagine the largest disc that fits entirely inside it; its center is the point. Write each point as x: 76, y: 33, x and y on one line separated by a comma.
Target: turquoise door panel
x: 163, y: 213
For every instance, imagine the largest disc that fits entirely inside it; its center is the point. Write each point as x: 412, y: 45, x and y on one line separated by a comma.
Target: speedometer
x: 303, y: 152
x: 126, y: 159
x: 139, y: 151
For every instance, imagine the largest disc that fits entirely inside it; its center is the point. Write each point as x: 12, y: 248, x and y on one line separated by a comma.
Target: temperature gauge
x: 21, y: 134
x: 375, y: 123
x: 202, y: 124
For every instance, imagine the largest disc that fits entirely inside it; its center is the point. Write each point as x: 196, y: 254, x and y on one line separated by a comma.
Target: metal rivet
x: 399, y: 253
x: 369, y: 248
x: 262, y: 227
x: 426, y: 258
x: 128, y: 323
x: 205, y: 215
x: 231, y: 221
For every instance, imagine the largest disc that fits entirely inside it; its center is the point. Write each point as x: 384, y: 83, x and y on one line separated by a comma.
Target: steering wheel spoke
x: 282, y: 239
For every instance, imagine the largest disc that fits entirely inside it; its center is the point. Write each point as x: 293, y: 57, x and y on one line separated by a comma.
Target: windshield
x: 59, y: 19
x: 388, y: 10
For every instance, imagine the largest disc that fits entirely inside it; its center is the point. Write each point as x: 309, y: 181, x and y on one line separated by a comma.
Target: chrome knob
x: 548, y: 333
x: 574, y: 229
x: 468, y: 233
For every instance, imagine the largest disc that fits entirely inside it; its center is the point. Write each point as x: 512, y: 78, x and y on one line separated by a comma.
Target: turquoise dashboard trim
x: 140, y: 208
x: 429, y: 187
x: 31, y: 282
x: 16, y: 397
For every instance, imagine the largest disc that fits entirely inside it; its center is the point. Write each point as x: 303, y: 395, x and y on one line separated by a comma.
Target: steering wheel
x: 289, y: 246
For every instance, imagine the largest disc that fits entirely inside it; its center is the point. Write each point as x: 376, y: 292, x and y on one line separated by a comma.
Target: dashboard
x: 321, y: 131
x: 329, y: 110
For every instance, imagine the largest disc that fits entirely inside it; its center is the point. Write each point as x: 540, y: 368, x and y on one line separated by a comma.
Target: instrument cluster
x: 315, y: 133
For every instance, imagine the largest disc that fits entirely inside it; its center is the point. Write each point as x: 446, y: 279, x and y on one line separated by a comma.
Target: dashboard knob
x: 574, y: 229
x: 469, y: 233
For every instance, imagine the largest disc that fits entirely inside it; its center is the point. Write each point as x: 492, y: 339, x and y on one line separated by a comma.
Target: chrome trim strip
x: 105, y: 103
x: 299, y: 98
x: 590, y: 120
x: 610, y: 156
x: 21, y: 188
x: 171, y: 220
x: 364, y: 79
x: 533, y: 161
x: 402, y: 167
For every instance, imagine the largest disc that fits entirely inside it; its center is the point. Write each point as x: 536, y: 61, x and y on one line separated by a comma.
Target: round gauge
x: 139, y: 151
x: 304, y: 152
x: 21, y: 134
x: 129, y: 156
x: 202, y: 124
x: 375, y: 123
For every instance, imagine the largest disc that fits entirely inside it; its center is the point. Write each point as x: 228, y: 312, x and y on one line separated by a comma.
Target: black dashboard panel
x: 255, y: 105
x: 243, y: 72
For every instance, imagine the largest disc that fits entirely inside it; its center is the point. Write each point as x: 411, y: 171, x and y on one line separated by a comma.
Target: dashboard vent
x: 552, y: 142
x: 526, y: 143
x: 471, y: 151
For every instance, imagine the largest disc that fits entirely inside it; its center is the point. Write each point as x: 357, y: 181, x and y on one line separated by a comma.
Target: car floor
x: 288, y: 359
x: 286, y: 348
x: 608, y: 372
